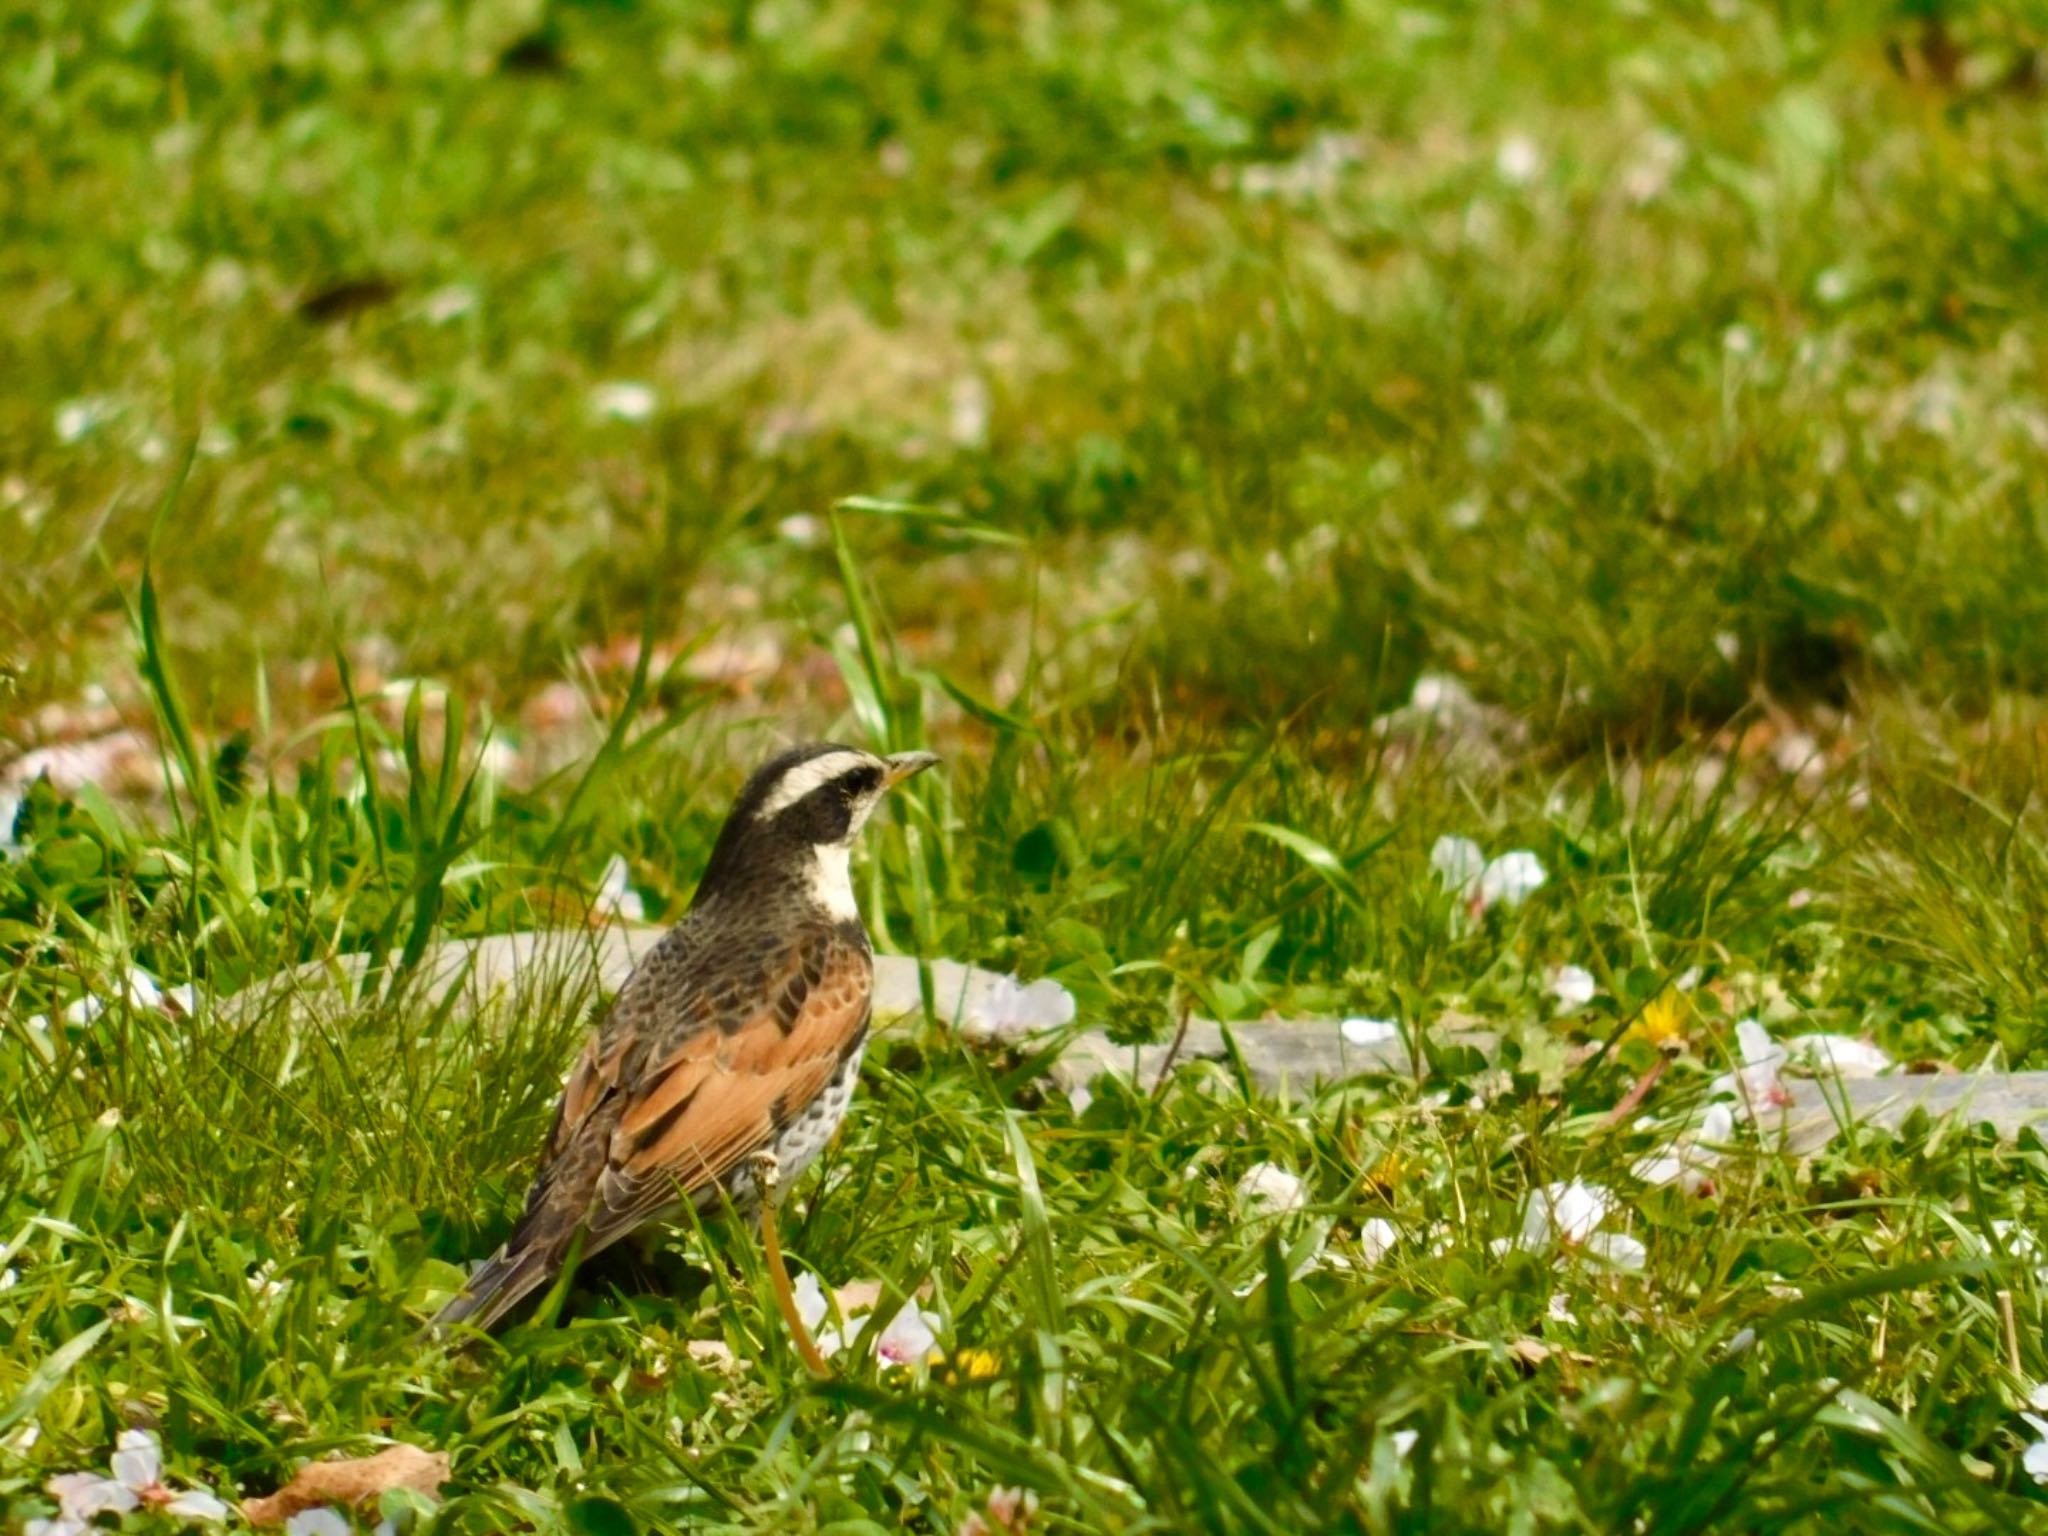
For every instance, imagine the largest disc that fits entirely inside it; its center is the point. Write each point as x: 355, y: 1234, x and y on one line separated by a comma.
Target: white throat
x: 830, y: 880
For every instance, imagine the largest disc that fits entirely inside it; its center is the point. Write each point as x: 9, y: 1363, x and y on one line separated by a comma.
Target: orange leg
x: 766, y: 1172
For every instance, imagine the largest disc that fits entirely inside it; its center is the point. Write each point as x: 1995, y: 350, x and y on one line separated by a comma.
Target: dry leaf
x: 352, y: 1482
x: 715, y: 1353
x: 1533, y: 1352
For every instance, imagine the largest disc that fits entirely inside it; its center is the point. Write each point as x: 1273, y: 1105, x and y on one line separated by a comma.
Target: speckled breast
x: 805, y: 1136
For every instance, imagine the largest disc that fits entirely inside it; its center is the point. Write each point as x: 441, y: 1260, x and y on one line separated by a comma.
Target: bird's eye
x: 860, y: 783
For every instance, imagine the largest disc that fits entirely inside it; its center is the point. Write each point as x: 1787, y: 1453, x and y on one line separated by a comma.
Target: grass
x: 458, y: 441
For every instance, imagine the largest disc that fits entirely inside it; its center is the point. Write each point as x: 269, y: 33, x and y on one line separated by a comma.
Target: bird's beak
x: 905, y: 765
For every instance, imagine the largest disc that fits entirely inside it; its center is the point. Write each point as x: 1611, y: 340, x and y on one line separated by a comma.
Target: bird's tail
x: 499, y: 1284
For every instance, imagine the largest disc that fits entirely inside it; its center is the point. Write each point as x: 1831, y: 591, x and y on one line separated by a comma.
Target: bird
x: 739, y: 1034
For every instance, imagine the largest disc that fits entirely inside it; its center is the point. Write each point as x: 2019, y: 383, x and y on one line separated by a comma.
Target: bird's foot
x: 766, y: 1169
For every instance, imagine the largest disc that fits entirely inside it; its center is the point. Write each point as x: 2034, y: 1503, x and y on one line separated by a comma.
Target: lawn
x: 443, y: 448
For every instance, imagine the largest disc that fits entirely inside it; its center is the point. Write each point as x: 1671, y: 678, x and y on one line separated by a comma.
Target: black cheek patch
x: 827, y: 814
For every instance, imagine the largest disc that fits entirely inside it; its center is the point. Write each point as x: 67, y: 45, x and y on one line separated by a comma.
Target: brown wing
x: 752, y: 1059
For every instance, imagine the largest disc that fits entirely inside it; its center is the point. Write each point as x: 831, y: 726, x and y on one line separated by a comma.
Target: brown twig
x: 1180, y: 1035
x: 1628, y: 1101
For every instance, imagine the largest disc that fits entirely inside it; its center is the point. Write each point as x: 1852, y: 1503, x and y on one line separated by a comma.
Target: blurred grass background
x: 1623, y: 361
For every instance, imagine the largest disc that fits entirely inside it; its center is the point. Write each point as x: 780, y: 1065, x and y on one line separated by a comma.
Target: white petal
x: 967, y: 412
x: 450, y: 303
x: 1689, y: 1161
x: 1559, y: 1309
x: 1573, y: 986
x: 810, y: 1300
x: 138, y: 1464
x: 1270, y: 1190
x: 911, y: 1336
x: 615, y: 892
x: 320, y: 1521
x: 1717, y: 1126
x: 499, y: 758
x: 1457, y: 861
x: 197, y: 1504
x: 2017, y: 1241
x: 623, y: 400
x: 1577, y: 1208
x: 1377, y: 1238
x: 1842, y: 1055
x: 1368, y: 1032
x: 1660, y: 1168
x: 2035, y: 1460
x: 84, y: 1010
x: 1758, y: 1082
x: 1518, y: 160
x: 1756, y: 1045
x: 1795, y: 752
x: 1650, y: 173
x: 1006, y: 1008
x: 76, y: 418
x: 1403, y: 1441
x: 1510, y: 879
x: 1442, y: 696
x: 81, y: 1495
x: 140, y: 989
x: 1618, y: 1249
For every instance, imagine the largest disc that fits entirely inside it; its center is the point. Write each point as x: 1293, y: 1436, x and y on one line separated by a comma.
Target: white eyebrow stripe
x: 807, y: 776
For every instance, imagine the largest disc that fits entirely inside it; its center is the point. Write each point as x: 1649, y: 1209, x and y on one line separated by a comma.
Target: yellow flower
x: 970, y: 1365
x: 1386, y: 1174
x: 1663, y: 1022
